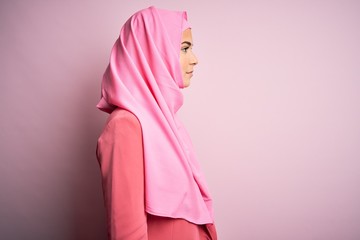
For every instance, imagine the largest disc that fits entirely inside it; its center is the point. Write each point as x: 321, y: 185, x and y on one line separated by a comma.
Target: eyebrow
x: 187, y: 42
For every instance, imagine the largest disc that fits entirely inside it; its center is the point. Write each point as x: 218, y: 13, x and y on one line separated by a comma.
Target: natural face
x: 187, y: 58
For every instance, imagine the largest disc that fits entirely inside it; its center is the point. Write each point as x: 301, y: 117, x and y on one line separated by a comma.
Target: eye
x: 185, y: 49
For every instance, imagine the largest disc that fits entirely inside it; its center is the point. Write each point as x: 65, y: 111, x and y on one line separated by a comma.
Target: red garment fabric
x: 120, y: 155
x: 163, y: 228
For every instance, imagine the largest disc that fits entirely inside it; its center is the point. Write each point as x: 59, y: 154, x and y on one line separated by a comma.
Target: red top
x: 120, y: 154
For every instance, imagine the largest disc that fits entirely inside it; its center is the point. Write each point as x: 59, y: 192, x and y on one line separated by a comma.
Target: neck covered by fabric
x: 144, y: 77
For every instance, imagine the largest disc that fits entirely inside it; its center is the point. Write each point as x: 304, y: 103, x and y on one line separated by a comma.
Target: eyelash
x: 185, y: 49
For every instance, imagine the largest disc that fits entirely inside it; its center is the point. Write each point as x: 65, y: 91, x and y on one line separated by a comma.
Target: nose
x: 193, y: 60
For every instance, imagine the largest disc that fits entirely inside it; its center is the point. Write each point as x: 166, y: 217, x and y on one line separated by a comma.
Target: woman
x: 153, y: 187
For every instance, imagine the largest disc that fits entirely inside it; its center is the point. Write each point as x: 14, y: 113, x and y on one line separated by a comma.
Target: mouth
x: 190, y: 72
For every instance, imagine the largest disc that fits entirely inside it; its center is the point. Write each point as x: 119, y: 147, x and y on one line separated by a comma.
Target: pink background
x: 273, y: 110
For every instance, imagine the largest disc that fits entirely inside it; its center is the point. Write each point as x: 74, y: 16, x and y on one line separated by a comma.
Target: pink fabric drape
x: 144, y: 77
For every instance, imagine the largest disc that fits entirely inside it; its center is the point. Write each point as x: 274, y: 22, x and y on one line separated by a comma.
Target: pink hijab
x: 144, y: 77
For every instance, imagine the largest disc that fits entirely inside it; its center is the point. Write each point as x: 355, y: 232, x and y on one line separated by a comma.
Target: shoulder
x: 123, y: 117
x: 122, y: 122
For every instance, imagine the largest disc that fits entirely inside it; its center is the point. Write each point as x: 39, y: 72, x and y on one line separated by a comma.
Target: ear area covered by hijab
x: 144, y: 77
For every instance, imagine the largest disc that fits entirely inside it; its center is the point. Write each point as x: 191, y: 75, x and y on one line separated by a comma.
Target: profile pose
x: 152, y: 183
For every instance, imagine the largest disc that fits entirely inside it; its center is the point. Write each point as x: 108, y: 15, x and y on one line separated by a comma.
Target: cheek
x: 183, y: 64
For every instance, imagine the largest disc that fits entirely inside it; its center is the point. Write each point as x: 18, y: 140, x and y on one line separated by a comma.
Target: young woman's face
x: 187, y: 58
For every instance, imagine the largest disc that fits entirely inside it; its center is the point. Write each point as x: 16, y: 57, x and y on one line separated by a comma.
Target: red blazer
x: 120, y: 155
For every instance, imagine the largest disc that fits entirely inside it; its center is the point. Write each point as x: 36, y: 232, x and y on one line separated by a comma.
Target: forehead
x: 187, y: 35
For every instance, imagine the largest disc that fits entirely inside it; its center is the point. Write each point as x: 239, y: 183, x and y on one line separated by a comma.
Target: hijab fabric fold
x: 144, y: 77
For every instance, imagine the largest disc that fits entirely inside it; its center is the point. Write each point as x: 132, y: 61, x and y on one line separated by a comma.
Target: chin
x: 186, y: 84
